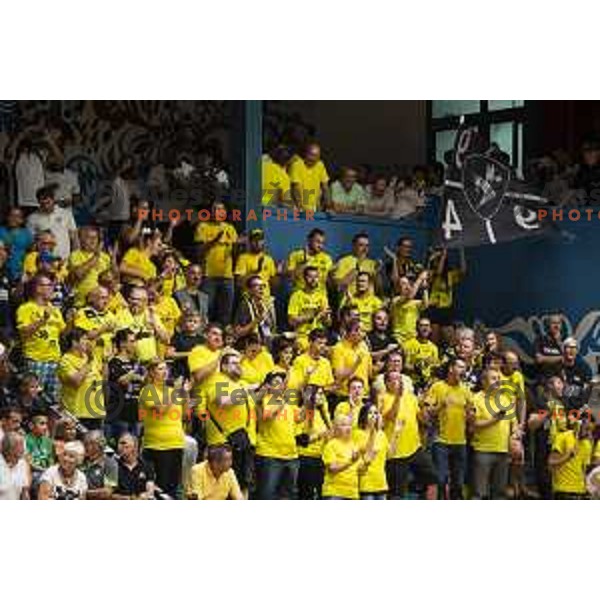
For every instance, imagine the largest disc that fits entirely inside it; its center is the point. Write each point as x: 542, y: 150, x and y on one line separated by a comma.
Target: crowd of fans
x: 134, y: 367
x: 567, y: 180
x: 302, y: 180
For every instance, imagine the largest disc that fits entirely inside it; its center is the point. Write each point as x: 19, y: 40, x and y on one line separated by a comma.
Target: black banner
x: 484, y: 202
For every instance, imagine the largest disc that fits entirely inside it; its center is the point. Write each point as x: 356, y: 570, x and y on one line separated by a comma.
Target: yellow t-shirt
x: 163, y: 425
x: 173, y: 283
x: 137, y: 259
x: 349, y: 263
x: 303, y: 303
x: 373, y: 480
x: 366, y: 305
x: 277, y: 436
x: 344, y: 408
x: 241, y: 415
x: 442, y: 288
x: 494, y: 438
x: 87, y: 400
x: 409, y: 440
x: 596, y: 455
x: 204, y: 484
x: 322, y: 261
x: 218, y: 261
x: 343, y: 356
x: 320, y: 368
x: 146, y: 347
x: 345, y: 483
x: 570, y: 476
x: 43, y: 345
x: 247, y: 264
x: 404, y: 317
x: 518, y: 381
x: 30, y: 266
x: 425, y: 354
x: 255, y: 370
x: 200, y: 356
x: 275, y: 177
x: 451, y: 401
x: 309, y: 180
x: 117, y: 303
x: 169, y: 312
x: 90, y: 280
x: 89, y: 319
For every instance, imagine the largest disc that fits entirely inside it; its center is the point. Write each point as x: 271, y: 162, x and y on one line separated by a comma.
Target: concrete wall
x: 380, y: 133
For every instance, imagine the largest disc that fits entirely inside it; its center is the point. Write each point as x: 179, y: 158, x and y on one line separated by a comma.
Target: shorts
x: 440, y: 316
x: 398, y: 471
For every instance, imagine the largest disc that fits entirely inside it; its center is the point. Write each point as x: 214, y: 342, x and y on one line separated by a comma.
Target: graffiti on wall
x: 520, y: 333
x: 96, y: 136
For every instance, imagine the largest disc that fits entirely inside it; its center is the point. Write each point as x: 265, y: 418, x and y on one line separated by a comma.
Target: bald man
x: 309, y: 180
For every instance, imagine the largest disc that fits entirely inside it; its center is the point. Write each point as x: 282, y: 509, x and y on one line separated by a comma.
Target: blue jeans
x: 451, y: 465
x: 277, y: 478
x: 220, y: 299
x: 372, y: 496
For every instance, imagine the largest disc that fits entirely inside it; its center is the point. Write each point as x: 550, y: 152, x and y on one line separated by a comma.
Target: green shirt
x: 41, y: 450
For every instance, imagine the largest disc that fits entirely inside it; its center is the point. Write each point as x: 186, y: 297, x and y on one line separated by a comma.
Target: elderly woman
x: 15, y: 476
x: 64, y: 481
x: 341, y: 457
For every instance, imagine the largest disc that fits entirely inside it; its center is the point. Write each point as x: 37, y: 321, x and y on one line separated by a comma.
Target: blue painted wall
x: 513, y: 287
x: 282, y: 236
x: 533, y: 276
x: 510, y: 287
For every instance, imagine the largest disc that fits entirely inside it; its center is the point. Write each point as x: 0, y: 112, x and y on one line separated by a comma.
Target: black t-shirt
x: 548, y: 346
x: 122, y: 401
x: 576, y: 378
x: 5, y: 307
x: 132, y: 482
x: 378, y: 342
x: 184, y: 342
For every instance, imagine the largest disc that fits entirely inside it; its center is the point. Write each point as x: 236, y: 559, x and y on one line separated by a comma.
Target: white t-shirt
x: 60, y: 222
x: 29, y: 172
x: 12, y: 479
x: 61, y: 490
x: 67, y: 184
x: 120, y: 203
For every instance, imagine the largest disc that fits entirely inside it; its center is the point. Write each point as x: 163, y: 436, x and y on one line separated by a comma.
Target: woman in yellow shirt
x: 137, y: 266
x: 172, y: 273
x: 372, y: 481
x: 162, y: 409
x: 341, y: 457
